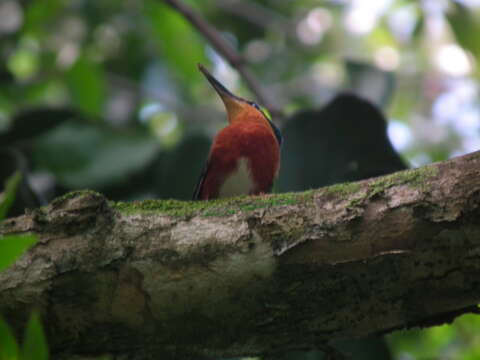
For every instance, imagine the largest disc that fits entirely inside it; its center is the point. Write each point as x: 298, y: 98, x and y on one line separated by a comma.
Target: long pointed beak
x: 217, y: 85
x: 233, y: 103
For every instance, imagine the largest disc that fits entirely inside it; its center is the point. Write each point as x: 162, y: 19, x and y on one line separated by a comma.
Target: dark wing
x: 201, y: 179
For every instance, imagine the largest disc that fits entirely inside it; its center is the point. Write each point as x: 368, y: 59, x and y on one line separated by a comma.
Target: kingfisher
x: 244, y: 157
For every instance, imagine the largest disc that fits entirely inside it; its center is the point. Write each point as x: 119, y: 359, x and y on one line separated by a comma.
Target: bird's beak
x: 233, y: 104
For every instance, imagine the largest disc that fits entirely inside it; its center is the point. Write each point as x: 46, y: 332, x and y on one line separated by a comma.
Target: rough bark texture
x: 251, y: 275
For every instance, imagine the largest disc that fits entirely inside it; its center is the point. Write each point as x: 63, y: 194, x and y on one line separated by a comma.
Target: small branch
x: 227, y: 51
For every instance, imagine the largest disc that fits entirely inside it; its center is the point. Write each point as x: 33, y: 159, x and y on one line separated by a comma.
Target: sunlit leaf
x: 23, y: 63
x: 13, y: 246
x: 465, y: 27
x: 458, y: 340
x: 34, y: 344
x: 8, y: 196
x: 180, y: 44
x: 86, y: 80
x: 439, y: 337
x: 8, y: 344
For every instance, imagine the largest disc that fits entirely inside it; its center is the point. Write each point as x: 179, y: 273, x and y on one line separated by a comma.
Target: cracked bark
x: 339, y: 262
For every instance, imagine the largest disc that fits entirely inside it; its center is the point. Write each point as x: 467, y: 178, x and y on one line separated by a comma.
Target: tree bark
x: 250, y: 275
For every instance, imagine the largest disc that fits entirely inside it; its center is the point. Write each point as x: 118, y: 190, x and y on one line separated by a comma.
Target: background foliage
x: 106, y: 95
x: 11, y: 247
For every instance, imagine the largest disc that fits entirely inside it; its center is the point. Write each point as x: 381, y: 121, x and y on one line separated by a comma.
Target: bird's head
x: 238, y: 108
x: 235, y: 105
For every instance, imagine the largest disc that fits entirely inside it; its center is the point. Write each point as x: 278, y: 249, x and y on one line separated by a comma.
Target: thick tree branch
x: 226, y: 50
x: 251, y: 275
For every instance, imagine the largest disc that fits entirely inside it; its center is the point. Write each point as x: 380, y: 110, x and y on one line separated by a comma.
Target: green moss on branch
x: 414, y: 177
x: 222, y: 207
x: 352, y: 193
x: 343, y: 189
x: 227, y: 207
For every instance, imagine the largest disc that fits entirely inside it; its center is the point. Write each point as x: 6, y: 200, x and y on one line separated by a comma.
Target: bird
x: 244, y: 157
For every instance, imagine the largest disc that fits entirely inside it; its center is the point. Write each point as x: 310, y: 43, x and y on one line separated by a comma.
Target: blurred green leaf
x: 85, y: 155
x: 180, y: 45
x: 8, y: 344
x: 34, y: 344
x: 465, y: 27
x: 13, y: 246
x: 419, y: 28
x: 458, y: 340
x: 8, y: 196
x: 23, y: 63
x: 438, y: 337
x: 12, y: 160
x: 86, y: 80
x: 38, y: 13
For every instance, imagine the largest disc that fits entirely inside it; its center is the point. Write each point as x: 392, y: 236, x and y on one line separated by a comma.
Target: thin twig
x: 226, y: 50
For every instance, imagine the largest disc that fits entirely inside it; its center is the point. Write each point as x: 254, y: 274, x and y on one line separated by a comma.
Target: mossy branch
x: 250, y: 275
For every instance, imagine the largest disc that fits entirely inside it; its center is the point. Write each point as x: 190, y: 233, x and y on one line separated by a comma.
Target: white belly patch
x: 239, y: 182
